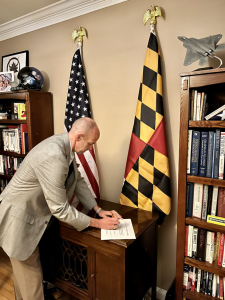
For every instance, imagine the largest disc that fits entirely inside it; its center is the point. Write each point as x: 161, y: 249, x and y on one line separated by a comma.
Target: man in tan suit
x: 39, y: 189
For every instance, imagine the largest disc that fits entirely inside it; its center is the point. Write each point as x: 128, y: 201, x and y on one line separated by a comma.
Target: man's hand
x: 105, y: 223
x: 108, y: 213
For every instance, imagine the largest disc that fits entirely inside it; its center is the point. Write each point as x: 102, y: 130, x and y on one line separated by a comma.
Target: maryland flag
x: 147, y: 178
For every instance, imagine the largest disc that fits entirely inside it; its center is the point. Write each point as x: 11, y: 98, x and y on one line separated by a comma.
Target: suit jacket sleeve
x: 83, y: 193
x: 51, y: 175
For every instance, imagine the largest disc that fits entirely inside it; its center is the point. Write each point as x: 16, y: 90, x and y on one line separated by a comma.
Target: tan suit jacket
x: 36, y: 192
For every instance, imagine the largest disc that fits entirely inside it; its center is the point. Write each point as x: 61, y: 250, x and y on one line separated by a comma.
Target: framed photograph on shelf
x: 15, y: 62
x: 6, y: 78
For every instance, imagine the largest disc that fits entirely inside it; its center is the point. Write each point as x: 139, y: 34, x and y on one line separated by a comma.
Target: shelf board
x: 206, y: 180
x: 206, y: 266
x: 203, y: 224
x: 2, y: 152
x: 207, y: 124
x: 10, y: 121
x: 5, y: 176
x: 196, y: 296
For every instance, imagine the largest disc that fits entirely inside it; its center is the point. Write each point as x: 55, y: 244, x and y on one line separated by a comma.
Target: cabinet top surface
x: 202, y: 72
x: 141, y: 219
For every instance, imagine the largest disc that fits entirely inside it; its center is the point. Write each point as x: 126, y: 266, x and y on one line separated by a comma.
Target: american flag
x: 78, y: 106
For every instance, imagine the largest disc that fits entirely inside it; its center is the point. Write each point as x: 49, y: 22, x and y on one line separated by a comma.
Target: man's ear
x: 79, y: 137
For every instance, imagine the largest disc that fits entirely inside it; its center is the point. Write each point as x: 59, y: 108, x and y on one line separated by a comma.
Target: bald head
x: 83, y: 134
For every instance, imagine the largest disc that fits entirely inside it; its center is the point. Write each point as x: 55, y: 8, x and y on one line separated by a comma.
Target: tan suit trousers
x: 28, y: 278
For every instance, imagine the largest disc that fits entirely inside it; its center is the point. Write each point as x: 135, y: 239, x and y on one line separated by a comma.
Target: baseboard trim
x: 52, y: 14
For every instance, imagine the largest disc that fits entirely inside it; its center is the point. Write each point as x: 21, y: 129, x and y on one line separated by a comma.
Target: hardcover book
x: 214, y: 200
x: 222, y: 153
x: 203, y: 153
x: 197, y: 200
x: 195, y: 152
x: 217, y: 155
x: 221, y: 202
x: 215, y: 112
x: 201, y: 244
x: 189, y: 151
x: 205, y: 201
x: 189, y: 199
x: 210, y: 155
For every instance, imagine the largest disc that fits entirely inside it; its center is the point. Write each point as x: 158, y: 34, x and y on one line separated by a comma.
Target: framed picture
x: 15, y: 62
x: 6, y: 78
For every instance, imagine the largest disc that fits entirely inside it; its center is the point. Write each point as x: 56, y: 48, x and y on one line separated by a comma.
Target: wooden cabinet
x: 89, y: 268
x: 211, y: 82
x: 39, y: 117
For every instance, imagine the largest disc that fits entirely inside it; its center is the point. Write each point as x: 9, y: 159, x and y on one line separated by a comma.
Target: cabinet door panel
x: 107, y: 278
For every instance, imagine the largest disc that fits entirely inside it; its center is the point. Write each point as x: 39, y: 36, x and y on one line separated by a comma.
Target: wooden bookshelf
x: 39, y: 118
x: 212, y: 82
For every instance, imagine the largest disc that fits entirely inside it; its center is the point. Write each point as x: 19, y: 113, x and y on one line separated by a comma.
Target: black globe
x: 31, y: 78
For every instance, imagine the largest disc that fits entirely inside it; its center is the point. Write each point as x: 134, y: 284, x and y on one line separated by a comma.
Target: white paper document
x: 124, y: 231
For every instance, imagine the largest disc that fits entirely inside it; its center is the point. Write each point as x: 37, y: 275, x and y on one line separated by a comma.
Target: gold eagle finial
x: 151, y: 14
x: 79, y: 33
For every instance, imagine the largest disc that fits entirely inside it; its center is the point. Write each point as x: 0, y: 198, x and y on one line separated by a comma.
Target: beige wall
x: 113, y: 55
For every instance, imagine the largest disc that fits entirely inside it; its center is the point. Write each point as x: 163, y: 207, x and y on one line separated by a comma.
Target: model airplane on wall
x: 201, y: 49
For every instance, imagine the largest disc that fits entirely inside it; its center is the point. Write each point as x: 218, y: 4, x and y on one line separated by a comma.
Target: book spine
x: 189, y: 203
x: 221, y: 203
x: 206, y: 282
x: 202, y: 99
x: 204, y: 107
x: 186, y: 241
x: 209, y: 155
x: 193, y: 279
x: 211, y: 254
x: 197, y: 200
x: 218, y: 286
x: 189, y: 151
x: 222, y: 152
x: 216, y: 220
x: 205, y: 202
x: 217, y: 245
x: 208, y: 245
x: 195, y: 153
x: 190, y: 239
x: 199, y: 96
x: 201, y: 244
x: 192, y: 105
x: 214, y: 200
x: 194, y: 243
x: 223, y: 259
x: 210, y: 282
x: 199, y: 281
x: 221, y: 287
x: 213, y: 155
x: 217, y: 154
x: 195, y: 105
x: 214, y: 285
x: 203, y: 153
x: 220, y: 256
x: 185, y: 278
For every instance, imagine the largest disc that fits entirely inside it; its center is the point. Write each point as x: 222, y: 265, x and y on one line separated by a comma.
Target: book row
x: 198, y: 105
x: 14, y: 138
x: 204, y: 245
x: 3, y: 184
x: 9, y: 164
x: 203, y: 200
x: 205, y: 155
x: 203, y: 282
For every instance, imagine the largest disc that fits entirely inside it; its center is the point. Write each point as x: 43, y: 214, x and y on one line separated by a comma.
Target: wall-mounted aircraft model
x: 201, y: 49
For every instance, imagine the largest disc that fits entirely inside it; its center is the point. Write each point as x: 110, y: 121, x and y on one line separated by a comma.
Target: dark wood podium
x: 89, y: 268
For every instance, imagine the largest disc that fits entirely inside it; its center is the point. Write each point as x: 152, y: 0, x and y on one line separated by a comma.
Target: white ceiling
x: 19, y: 17
x: 13, y: 9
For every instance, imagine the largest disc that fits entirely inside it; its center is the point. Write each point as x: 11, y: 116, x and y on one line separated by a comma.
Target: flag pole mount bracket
x: 152, y: 14
x: 79, y: 33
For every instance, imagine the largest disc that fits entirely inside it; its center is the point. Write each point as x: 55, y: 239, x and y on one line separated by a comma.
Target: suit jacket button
x: 46, y: 222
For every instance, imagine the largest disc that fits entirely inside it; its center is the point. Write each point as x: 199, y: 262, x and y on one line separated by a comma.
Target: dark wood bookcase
x: 211, y: 82
x: 39, y: 117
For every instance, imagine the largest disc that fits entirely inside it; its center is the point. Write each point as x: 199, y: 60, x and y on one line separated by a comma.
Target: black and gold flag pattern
x: 147, y: 178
